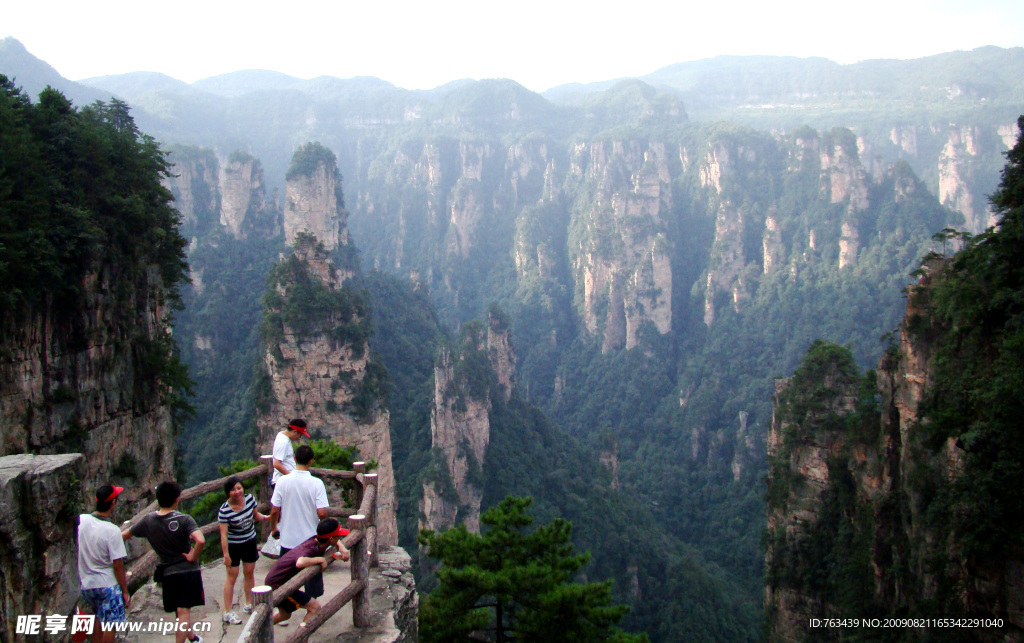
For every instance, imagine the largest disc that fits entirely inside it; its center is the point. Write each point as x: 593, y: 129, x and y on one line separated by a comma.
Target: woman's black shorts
x: 246, y: 552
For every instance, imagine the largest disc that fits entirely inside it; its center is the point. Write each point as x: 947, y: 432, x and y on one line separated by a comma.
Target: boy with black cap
x: 307, y: 554
x: 101, y: 555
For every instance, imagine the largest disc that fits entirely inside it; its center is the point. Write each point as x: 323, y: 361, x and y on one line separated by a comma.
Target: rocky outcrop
x: 955, y: 169
x: 804, y: 448
x: 313, y: 206
x: 465, y: 379
x: 460, y: 430
x: 244, y: 209
x: 904, y: 137
x: 857, y: 494
x: 727, y: 260
x: 394, y: 601
x: 317, y: 367
x: 726, y: 165
x: 845, y: 180
x: 83, y: 383
x: 212, y: 194
x: 622, y: 258
x: 192, y: 181
x: 39, y: 507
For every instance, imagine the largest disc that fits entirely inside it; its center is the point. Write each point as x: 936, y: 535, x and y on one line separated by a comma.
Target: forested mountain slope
x: 896, y: 494
x: 657, y: 273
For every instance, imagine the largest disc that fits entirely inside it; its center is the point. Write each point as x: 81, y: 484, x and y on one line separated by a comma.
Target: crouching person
x: 307, y: 554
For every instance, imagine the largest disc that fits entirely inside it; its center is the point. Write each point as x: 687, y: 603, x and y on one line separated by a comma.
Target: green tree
x: 977, y: 396
x: 506, y: 585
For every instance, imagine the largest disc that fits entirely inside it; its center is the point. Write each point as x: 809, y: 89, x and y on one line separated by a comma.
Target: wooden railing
x: 361, y: 543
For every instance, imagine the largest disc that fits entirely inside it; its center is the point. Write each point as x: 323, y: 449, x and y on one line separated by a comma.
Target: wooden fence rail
x: 361, y: 543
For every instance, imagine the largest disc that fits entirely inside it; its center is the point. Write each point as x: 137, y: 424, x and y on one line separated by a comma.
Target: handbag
x: 272, y: 548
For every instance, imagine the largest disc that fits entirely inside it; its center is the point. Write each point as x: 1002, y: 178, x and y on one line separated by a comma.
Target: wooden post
x: 360, y: 572
x: 358, y: 468
x: 260, y: 626
x: 327, y: 610
x: 370, y: 480
x: 268, y: 463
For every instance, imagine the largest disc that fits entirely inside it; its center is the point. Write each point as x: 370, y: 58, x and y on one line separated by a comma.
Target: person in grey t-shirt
x: 178, y: 542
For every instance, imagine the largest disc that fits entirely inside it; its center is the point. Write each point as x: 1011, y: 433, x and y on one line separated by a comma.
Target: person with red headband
x: 310, y: 552
x: 284, y: 454
x: 101, y: 555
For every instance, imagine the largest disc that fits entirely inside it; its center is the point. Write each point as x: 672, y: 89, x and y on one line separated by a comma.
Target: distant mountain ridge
x: 33, y: 75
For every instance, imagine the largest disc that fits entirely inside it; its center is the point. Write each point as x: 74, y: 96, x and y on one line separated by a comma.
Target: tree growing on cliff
x: 506, y: 585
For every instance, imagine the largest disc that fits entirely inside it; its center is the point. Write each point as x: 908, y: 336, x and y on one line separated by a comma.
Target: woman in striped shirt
x: 238, y: 518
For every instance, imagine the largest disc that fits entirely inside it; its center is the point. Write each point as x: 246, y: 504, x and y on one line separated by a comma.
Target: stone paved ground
x: 147, y: 608
x: 393, y: 604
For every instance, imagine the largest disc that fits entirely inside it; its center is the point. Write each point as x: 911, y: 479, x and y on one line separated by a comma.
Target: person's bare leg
x: 248, y: 582
x: 230, y: 576
x: 184, y: 631
x: 312, y: 607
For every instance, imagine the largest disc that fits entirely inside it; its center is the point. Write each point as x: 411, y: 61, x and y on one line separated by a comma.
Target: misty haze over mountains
x: 658, y: 251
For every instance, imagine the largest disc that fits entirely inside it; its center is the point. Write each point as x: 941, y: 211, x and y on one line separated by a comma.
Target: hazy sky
x: 539, y: 43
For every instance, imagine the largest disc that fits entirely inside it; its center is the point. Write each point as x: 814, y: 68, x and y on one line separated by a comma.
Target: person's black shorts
x: 184, y: 590
x: 297, y: 599
x: 246, y: 552
x: 315, y: 586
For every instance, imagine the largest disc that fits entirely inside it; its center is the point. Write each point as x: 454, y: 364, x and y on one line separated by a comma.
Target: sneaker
x: 231, y: 618
x: 247, y: 608
x: 197, y: 639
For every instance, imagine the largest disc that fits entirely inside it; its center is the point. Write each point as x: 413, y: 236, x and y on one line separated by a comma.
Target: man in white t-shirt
x: 284, y: 454
x: 299, y: 504
x: 101, y: 555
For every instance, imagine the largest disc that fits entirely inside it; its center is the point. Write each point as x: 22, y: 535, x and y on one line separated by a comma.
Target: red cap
x: 340, y: 531
x: 106, y: 493
x: 300, y: 429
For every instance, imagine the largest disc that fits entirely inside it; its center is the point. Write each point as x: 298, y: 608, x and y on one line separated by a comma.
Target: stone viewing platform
x: 393, y: 605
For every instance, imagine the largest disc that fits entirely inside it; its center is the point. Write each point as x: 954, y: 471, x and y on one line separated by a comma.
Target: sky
x: 539, y: 43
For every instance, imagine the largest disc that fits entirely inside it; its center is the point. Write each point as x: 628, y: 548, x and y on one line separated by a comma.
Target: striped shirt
x: 241, y: 527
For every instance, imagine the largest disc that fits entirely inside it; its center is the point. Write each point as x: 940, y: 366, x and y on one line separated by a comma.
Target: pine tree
x: 505, y: 584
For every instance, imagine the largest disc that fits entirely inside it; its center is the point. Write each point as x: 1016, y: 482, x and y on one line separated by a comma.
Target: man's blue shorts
x: 107, y: 603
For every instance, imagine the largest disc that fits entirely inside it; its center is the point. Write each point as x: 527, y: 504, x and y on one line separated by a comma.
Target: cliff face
x: 620, y: 253
x: 83, y: 383
x: 39, y: 508
x: 312, y: 206
x: 316, y: 362
x: 465, y: 379
x: 444, y: 206
x: 217, y: 195
x: 193, y: 182
x: 244, y: 208
x: 316, y: 367
x: 955, y: 170
x: 832, y: 476
x: 807, y: 442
